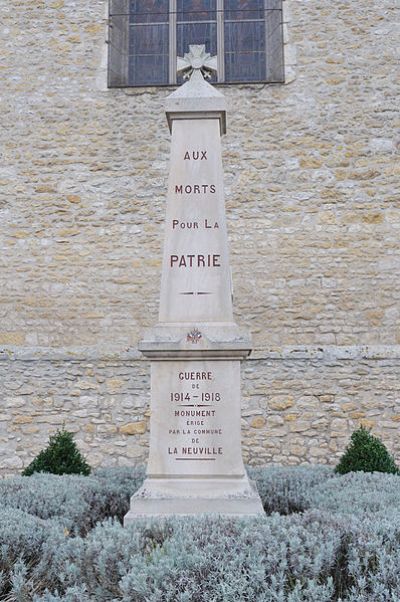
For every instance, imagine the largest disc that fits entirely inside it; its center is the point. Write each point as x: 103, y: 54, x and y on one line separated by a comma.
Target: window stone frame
x: 118, y: 45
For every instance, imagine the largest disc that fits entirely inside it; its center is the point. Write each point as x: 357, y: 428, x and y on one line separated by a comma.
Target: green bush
x: 366, y: 453
x: 61, y: 456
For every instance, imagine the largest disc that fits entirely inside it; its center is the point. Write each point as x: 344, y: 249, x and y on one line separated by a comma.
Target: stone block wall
x: 102, y: 400
x: 299, y: 404
x: 312, y: 171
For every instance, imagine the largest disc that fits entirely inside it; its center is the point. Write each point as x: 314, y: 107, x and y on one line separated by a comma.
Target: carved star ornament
x: 197, y: 60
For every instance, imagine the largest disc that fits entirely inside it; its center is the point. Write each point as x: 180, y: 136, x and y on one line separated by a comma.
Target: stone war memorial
x: 195, y: 463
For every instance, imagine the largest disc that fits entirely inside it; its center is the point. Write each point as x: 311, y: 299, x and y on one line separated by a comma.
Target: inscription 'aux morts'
x: 195, y: 156
x: 195, y: 188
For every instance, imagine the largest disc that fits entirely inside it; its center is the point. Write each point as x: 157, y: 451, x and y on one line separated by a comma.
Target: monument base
x: 163, y: 497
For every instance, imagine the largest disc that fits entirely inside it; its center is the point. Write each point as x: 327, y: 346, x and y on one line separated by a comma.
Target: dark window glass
x: 148, y: 11
x: 245, y: 67
x: 241, y: 10
x: 244, y: 35
x: 148, y: 42
x: 196, y: 10
x: 196, y: 33
x: 148, y: 56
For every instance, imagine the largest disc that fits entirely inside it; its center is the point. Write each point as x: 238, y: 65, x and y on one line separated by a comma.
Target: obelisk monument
x: 195, y: 461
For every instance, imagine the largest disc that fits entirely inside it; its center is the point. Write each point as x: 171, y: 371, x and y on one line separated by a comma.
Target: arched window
x: 146, y: 36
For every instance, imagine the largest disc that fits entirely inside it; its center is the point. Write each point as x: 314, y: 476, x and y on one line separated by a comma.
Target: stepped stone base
x: 184, y: 496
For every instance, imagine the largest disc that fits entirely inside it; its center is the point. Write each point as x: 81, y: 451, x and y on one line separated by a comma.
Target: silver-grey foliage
x: 77, y: 502
x: 325, y: 539
x: 287, y: 489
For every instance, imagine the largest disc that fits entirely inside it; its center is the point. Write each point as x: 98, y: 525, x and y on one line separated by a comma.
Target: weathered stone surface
x: 258, y: 422
x: 133, y: 428
x: 281, y: 403
x: 23, y: 419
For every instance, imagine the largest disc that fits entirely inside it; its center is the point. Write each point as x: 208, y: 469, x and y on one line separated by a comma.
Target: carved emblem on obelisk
x: 194, y: 336
x: 197, y: 59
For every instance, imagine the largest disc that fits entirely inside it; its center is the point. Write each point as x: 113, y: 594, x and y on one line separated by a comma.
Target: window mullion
x: 220, y: 41
x: 172, y: 41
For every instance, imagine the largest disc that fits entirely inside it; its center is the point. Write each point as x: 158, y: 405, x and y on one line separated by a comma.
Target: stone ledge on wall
x: 300, y: 404
x: 286, y: 352
x: 73, y: 354
x: 328, y: 352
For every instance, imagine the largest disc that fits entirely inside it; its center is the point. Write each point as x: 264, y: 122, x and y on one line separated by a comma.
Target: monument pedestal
x: 184, y: 497
x: 195, y: 462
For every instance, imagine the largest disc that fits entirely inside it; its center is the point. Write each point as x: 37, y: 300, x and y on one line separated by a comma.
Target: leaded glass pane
x: 245, y: 67
x: 148, y: 11
x: 244, y: 40
x: 196, y: 33
x: 196, y: 10
x: 245, y: 37
x: 241, y: 10
x: 148, y: 54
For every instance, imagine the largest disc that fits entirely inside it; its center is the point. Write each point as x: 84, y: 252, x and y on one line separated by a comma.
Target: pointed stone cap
x: 196, y: 99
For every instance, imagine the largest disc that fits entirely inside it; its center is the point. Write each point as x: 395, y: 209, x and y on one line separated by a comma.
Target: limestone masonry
x: 313, y: 212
